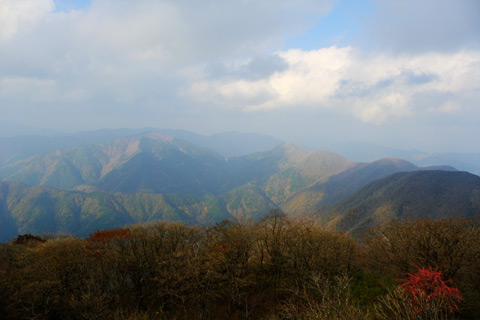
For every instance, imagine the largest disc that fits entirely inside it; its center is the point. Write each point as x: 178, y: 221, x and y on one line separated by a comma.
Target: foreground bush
x: 450, y: 245
x: 423, y: 295
x: 324, y: 298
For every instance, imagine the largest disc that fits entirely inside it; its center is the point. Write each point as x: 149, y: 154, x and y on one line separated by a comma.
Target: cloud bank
x: 223, y: 64
x: 372, y: 87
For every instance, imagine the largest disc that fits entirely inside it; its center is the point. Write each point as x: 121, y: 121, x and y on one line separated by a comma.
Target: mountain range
x: 228, y: 144
x: 366, y: 152
x: 149, y: 175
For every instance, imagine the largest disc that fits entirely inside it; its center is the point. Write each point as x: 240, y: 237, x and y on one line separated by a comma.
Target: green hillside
x: 153, y: 176
x: 407, y: 196
x: 40, y: 209
x: 337, y: 187
x: 151, y: 163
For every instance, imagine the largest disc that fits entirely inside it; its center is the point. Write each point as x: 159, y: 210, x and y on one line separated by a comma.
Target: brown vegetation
x: 273, y: 269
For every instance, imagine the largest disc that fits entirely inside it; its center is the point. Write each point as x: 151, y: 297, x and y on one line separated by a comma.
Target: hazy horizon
x: 403, y: 75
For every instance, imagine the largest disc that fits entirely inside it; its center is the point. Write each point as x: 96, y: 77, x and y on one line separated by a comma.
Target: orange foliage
x: 97, y: 241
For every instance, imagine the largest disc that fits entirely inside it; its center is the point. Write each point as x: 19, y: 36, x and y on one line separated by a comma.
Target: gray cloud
x: 120, y: 62
x: 262, y: 67
x: 255, y: 68
x: 413, y: 26
x: 350, y: 88
x: 419, y: 78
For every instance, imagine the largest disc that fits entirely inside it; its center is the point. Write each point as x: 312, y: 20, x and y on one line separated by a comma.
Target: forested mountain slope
x: 39, y: 209
x: 407, y: 196
x: 152, y: 176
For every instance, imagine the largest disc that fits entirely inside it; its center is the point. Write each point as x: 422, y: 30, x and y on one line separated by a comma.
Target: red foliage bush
x: 427, y: 288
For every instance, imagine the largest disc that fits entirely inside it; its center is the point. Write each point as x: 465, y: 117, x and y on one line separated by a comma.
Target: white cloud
x: 119, y: 48
x: 448, y: 107
x: 309, y: 79
x: 373, y: 87
x: 17, y: 15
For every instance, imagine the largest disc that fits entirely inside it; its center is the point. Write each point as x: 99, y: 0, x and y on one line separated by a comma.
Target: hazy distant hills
x: 153, y: 176
x: 14, y: 148
x: 366, y: 152
x: 286, y: 169
x: 157, y: 163
x: 228, y: 144
x: 407, y: 195
x: 124, y: 178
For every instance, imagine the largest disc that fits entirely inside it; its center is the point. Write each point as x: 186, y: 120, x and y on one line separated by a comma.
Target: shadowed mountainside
x: 39, y: 209
x: 406, y: 196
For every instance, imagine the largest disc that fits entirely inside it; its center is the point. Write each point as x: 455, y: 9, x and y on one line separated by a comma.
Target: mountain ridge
x: 431, y: 194
x: 156, y: 176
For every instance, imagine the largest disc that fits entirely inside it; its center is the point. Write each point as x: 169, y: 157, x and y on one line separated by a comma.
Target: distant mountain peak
x: 291, y: 152
x: 159, y: 137
x: 395, y: 162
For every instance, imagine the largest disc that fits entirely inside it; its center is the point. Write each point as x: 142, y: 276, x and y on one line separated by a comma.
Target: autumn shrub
x: 423, y: 295
x: 428, y: 285
x: 451, y: 245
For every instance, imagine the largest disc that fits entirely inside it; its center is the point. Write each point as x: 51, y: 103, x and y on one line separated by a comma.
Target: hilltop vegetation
x: 276, y: 268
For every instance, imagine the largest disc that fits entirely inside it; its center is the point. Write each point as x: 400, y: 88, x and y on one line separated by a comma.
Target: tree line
x: 276, y: 268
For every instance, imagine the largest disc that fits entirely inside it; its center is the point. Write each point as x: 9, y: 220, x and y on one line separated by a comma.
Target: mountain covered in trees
x: 153, y: 176
x: 408, y: 196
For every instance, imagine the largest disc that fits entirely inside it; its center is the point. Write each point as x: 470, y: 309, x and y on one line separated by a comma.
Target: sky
x: 403, y: 74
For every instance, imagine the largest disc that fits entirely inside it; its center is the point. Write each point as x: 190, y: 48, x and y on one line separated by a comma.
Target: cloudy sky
x: 403, y: 74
